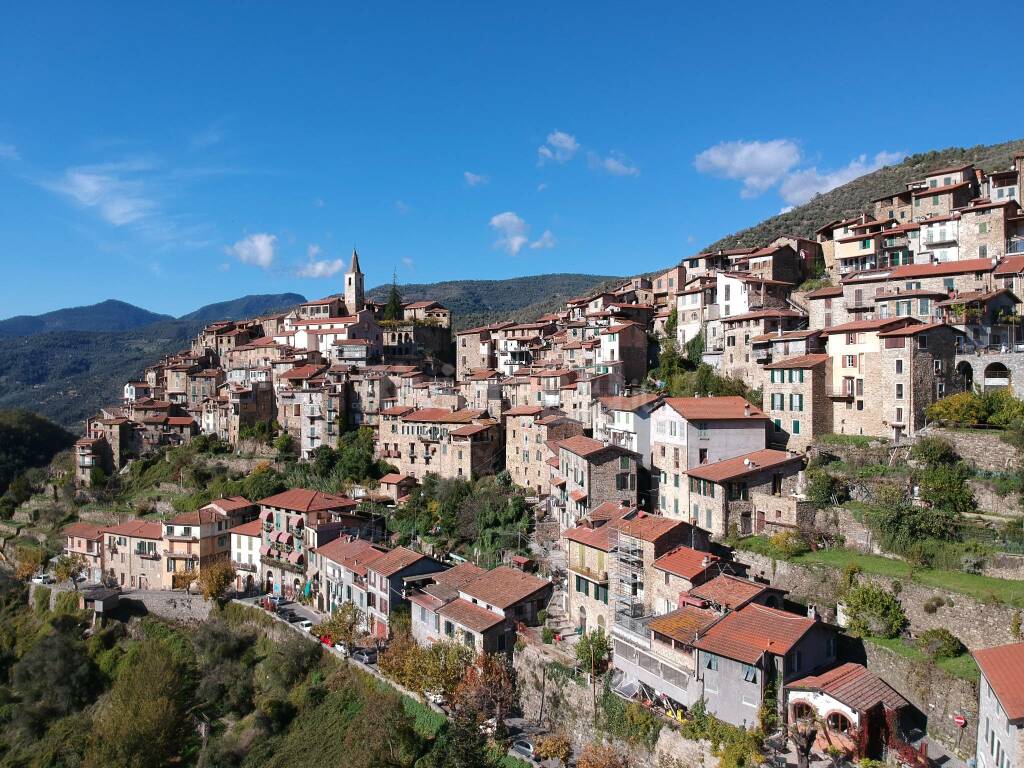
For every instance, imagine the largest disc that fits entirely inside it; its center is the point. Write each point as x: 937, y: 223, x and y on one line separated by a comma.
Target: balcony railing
x: 839, y: 393
x: 240, y: 566
x: 598, y: 577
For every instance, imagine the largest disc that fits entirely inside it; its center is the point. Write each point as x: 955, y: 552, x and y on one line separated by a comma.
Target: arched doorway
x: 965, y: 375
x: 601, y: 624
x: 271, y: 586
x: 250, y: 584
x: 997, y: 376
x: 582, y: 623
x: 802, y: 711
x: 837, y: 722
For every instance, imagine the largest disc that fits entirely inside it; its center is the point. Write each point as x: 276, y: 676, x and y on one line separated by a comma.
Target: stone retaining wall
x: 937, y: 694
x: 982, y: 448
x: 978, y: 625
x: 991, y: 503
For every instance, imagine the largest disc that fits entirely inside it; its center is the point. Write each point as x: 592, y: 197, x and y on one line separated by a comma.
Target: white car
x: 43, y: 578
x: 305, y: 625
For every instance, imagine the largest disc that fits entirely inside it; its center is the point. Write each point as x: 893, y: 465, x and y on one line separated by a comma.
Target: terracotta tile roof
x: 683, y: 624
x: 444, y: 415
x: 801, y: 333
x: 471, y: 616
x: 484, y: 374
x: 647, y: 527
x: 1003, y: 667
x: 305, y: 500
x: 397, y: 410
x: 741, y: 466
x: 583, y: 446
x: 504, y: 586
x: 342, y: 548
x: 83, y: 531
x: 686, y: 562
x: 762, y: 314
x: 252, y: 528
x: 913, y: 330
x: 393, y: 478
x: 458, y: 576
x: 523, y: 410
x: 609, y: 510
x: 853, y: 685
x: 303, y: 372
x: 1010, y: 265
x: 471, y: 429
x: 745, y: 635
x: 359, y: 562
x: 598, y: 538
x: 800, y: 361
x: 729, y: 591
x: 928, y: 191
x: 396, y: 560
x: 231, y: 503
x: 828, y: 292
x: 944, y: 268
x: 714, y: 408
x: 139, y: 529
x: 877, y: 324
x: 201, y: 516
x: 578, y: 496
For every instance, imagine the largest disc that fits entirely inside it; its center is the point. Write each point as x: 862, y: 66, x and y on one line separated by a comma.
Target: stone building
x: 85, y: 541
x: 462, y: 443
x: 530, y: 434
x: 590, y: 473
x: 1000, y: 706
x: 796, y: 400
x: 133, y: 556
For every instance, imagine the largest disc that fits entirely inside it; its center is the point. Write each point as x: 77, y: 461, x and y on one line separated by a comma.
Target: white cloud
x: 559, y: 148
x: 114, y: 190
x: 512, y: 232
x: 475, y: 179
x: 759, y: 164
x: 255, y: 249
x: 312, y: 250
x: 408, y: 263
x: 800, y: 186
x: 546, y: 240
x: 9, y: 152
x: 785, y: 209
x: 318, y: 202
x: 616, y: 164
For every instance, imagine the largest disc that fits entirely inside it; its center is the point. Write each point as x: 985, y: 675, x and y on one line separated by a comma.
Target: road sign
x: 960, y: 720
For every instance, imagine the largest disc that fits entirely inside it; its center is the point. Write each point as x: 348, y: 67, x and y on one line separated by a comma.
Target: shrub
x: 547, y: 635
x: 940, y: 643
x: 873, y: 611
x: 962, y: 409
x: 789, y: 543
x: 934, y: 451
x: 932, y: 604
x: 824, y: 490
x: 945, y: 487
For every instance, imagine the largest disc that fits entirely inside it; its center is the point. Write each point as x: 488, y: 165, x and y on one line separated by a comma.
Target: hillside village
x: 669, y: 438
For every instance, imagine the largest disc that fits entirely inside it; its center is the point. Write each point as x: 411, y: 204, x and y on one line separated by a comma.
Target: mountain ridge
x: 108, y: 315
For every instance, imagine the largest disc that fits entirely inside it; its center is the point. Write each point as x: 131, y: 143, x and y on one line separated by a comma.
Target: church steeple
x: 354, y: 301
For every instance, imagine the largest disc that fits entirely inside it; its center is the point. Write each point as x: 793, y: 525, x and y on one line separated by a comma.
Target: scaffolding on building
x: 630, y: 612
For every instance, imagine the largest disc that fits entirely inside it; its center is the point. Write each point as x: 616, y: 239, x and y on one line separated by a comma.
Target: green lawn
x: 962, y: 666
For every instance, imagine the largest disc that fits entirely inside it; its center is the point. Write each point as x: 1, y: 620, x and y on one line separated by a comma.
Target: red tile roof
x: 928, y: 191
x: 598, y: 538
x: 1003, y: 667
x: 913, y: 330
x: 303, y: 372
x: 800, y: 361
x: 578, y: 496
x: 444, y: 415
x: 473, y: 617
x: 686, y: 562
x: 523, y: 410
x: 1010, y: 265
x: 683, y: 624
x: 470, y: 429
x: 201, y: 516
x: 305, y: 500
x: 583, y: 446
x: 342, y: 548
x: 853, y: 685
x: 392, y: 478
x: 747, y: 464
x: 396, y: 560
x: 83, y: 531
x: 714, y: 408
x: 747, y: 634
x: 877, y: 324
x: 944, y: 268
x: 646, y: 527
x: 139, y: 529
x: 627, y: 403
x: 252, y: 528
x: 458, y: 576
x: 231, y: 503
x: 729, y: 591
x: 504, y: 586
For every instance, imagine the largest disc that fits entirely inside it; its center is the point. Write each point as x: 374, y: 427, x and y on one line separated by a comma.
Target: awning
x: 282, y: 536
x: 266, y: 514
x: 297, y: 521
x: 294, y: 557
x: 264, y: 550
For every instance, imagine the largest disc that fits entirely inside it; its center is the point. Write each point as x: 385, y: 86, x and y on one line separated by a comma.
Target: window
x: 711, y: 663
x: 983, y: 228
x: 749, y: 673
x: 796, y: 427
x: 899, y: 415
x: 899, y: 365
x: 778, y: 425
x: 982, y: 251
x: 899, y: 391
x: 796, y: 402
x: 922, y: 341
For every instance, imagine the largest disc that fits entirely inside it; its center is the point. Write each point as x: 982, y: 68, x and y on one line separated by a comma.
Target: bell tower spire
x: 354, y: 300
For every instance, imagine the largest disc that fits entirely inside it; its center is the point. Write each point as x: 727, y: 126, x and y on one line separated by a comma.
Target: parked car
x: 434, y: 697
x: 287, y: 614
x: 524, y: 748
x: 305, y: 625
x: 43, y: 578
x: 343, y: 648
x: 366, y: 655
x: 294, y: 618
x: 277, y: 600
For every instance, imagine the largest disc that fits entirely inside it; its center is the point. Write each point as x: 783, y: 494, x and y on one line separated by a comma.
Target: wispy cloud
x: 257, y: 249
x: 209, y: 136
x: 759, y: 164
x: 408, y: 263
x: 800, y: 186
x: 615, y: 164
x: 9, y: 152
x: 116, y: 191
x: 512, y: 232
x: 558, y: 148
x: 541, y: 187
x: 318, y: 202
x: 319, y: 267
x: 546, y: 240
x: 402, y: 207
x: 475, y: 179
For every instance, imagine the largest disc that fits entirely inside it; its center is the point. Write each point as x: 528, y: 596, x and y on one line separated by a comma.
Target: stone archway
x: 965, y: 375
x: 997, y: 376
x: 582, y: 622
x: 270, y: 582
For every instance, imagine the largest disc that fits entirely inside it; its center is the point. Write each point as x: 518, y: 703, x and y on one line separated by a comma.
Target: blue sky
x: 177, y: 155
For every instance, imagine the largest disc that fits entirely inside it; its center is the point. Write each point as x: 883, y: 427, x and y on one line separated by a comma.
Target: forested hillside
x: 109, y: 315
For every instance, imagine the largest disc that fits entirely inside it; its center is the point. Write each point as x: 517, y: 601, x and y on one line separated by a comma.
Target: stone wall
x: 990, y: 502
x: 174, y: 606
x: 938, y: 695
x: 978, y: 625
x: 1004, y: 566
x: 570, y: 705
x: 981, y: 448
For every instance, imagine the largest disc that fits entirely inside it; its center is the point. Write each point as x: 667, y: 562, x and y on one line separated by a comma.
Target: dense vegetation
x: 68, y: 375
x: 26, y: 441
x: 854, y: 197
x: 222, y: 694
x: 109, y: 315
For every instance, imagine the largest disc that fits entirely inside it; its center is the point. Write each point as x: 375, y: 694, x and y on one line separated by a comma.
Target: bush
x: 962, y: 409
x: 788, y: 543
x: 945, y: 487
x: 547, y: 635
x: 871, y: 610
x: 940, y: 643
x: 934, y: 451
x: 824, y: 490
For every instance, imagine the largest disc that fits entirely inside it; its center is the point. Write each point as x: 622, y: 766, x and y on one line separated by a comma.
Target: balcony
x: 598, y: 577
x: 839, y: 393
x: 240, y: 566
x: 173, y: 554
x: 147, y: 555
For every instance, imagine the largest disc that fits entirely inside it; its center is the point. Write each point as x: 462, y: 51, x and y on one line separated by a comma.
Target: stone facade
x: 529, y: 431
x: 796, y: 401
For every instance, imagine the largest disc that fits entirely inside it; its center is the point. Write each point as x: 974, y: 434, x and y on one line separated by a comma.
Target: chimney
x: 746, y: 409
x: 979, y: 175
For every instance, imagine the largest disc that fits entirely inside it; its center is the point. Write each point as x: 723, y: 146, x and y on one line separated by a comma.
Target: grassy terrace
x: 986, y: 589
x: 961, y: 666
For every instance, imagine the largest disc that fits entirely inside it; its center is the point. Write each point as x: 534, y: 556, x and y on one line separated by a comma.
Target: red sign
x: 960, y: 720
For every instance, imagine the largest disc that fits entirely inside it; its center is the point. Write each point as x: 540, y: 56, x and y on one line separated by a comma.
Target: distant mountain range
x: 109, y: 315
